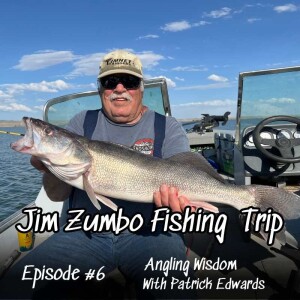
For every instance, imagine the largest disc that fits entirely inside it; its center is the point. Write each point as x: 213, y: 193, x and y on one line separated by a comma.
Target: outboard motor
x: 209, y: 122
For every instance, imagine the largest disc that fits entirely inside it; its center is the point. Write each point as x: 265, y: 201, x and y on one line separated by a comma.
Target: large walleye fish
x: 105, y: 169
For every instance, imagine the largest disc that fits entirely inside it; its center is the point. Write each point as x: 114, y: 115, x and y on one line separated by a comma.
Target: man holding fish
x: 124, y: 120
x: 123, y: 117
x: 104, y: 169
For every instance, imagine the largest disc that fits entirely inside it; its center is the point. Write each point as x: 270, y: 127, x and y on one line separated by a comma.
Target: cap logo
x: 119, y: 61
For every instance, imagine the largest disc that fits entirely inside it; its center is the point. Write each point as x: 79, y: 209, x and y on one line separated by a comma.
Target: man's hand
x: 168, y: 196
x: 38, y: 164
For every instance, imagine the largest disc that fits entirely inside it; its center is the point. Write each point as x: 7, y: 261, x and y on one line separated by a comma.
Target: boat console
x: 265, y: 147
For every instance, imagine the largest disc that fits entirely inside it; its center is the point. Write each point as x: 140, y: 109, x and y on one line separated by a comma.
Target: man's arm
x: 56, y: 189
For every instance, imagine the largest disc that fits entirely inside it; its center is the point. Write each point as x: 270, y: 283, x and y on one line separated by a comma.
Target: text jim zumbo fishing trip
x: 188, y: 221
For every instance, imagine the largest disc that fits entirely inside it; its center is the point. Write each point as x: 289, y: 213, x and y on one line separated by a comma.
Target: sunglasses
x: 110, y: 82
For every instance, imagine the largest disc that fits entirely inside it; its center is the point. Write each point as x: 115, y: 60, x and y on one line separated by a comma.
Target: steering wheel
x: 283, y: 144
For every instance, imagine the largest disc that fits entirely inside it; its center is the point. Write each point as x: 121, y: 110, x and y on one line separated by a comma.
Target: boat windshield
x: 268, y: 93
x: 59, y: 111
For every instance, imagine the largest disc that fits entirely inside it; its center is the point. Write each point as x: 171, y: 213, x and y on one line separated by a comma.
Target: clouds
x: 43, y: 86
x: 225, y: 13
x: 44, y: 59
x: 252, y: 20
x: 279, y: 100
x: 10, y: 93
x: 217, y: 78
x: 4, y: 96
x: 218, y: 103
x: 188, y: 47
x: 14, y: 107
x: 270, y: 107
x: 149, y: 59
x: 9, y: 104
x: 216, y: 14
x: 189, y: 69
x: 182, y: 25
x: 86, y: 65
x: 83, y: 65
x: 148, y: 36
x: 185, y: 25
x: 196, y: 108
x: 286, y: 8
x: 220, y: 82
x: 203, y: 87
x: 176, y: 26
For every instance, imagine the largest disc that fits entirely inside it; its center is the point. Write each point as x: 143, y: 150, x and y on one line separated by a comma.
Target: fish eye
x: 48, y: 131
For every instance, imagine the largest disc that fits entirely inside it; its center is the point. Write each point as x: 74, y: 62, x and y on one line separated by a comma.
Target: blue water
x: 19, y: 181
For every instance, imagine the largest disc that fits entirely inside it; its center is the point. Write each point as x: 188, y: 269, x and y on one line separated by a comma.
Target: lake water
x: 19, y: 181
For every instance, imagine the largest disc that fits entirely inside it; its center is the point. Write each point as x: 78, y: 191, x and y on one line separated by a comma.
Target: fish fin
x: 205, y: 205
x: 196, y: 160
x: 283, y: 237
x: 95, y: 197
x: 67, y: 172
x: 89, y: 190
x: 284, y: 202
x: 280, y: 238
x: 107, y: 202
x: 290, y: 239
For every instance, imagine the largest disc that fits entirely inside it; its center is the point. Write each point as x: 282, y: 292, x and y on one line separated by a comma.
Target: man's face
x: 121, y: 97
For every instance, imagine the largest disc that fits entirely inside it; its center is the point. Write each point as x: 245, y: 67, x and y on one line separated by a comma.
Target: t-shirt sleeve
x: 176, y: 140
x: 75, y: 125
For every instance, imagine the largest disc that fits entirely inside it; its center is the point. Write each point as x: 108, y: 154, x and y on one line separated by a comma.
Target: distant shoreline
x: 11, y: 124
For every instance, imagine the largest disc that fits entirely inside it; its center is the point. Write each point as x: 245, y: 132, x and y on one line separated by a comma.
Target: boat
x: 255, y: 152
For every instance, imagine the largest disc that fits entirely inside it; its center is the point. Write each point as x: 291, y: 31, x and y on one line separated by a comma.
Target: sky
x: 53, y: 48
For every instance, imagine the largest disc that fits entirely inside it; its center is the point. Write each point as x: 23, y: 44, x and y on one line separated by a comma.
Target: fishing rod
x: 12, y: 133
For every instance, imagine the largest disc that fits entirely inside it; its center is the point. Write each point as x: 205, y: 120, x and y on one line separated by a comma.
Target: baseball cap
x: 120, y: 61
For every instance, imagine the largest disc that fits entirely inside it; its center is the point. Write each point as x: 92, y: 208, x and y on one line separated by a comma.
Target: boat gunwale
x: 14, y: 218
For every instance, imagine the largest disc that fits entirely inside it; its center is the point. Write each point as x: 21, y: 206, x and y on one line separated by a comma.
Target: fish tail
x: 284, y: 202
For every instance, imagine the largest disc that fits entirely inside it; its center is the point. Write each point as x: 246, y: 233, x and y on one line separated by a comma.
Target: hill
x: 4, y: 123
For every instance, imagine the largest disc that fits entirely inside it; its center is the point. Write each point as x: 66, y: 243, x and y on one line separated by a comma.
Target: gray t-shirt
x: 139, y: 136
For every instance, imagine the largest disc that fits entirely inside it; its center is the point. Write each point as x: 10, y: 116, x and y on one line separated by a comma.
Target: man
x: 123, y: 110
x: 123, y: 119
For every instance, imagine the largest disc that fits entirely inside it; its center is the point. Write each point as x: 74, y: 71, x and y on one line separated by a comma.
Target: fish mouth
x: 25, y: 144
